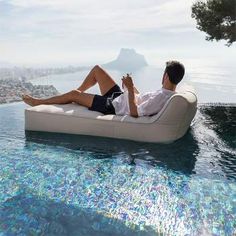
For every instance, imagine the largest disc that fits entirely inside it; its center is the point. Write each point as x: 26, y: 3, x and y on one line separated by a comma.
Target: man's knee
x: 75, y: 93
x: 97, y: 68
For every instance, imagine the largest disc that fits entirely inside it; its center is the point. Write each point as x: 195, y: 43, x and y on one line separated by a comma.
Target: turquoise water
x: 54, y: 184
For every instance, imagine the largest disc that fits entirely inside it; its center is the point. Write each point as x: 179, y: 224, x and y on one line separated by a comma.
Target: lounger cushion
x: 169, y: 124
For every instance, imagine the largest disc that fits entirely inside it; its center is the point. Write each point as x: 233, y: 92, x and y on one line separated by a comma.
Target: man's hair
x: 175, y: 70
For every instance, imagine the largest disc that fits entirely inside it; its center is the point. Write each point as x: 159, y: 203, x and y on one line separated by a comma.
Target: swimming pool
x: 53, y: 184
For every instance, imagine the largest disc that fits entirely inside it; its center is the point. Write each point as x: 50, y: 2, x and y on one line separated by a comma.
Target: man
x: 112, y: 99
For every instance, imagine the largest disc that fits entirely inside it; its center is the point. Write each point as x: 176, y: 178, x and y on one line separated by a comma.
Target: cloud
x: 92, y: 16
x: 55, y: 27
x: 105, y: 15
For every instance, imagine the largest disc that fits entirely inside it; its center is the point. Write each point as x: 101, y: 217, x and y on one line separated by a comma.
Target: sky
x: 82, y: 32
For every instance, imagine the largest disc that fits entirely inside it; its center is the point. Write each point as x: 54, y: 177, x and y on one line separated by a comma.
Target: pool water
x: 54, y: 184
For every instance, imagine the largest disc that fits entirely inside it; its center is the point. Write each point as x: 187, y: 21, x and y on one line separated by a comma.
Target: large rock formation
x: 128, y: 60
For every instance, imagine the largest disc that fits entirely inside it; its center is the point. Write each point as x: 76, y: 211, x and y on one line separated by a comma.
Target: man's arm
x: 132, y: 102
x: 128, y: 82
x: 136, y: 90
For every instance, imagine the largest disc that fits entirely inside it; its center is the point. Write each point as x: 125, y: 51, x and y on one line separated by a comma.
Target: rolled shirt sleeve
x: 152, y: 103
x: 149, y: 107
x: 147, y: 104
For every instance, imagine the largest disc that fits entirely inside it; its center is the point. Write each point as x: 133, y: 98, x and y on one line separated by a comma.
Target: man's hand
x: 127, y: 82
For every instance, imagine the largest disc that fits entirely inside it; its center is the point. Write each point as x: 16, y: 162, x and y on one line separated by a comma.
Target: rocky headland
x: 128, y: 60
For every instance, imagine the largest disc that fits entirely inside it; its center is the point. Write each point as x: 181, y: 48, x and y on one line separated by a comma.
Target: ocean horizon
x: 211, y: 83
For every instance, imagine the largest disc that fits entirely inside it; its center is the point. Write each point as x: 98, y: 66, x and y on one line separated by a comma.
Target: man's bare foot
x: 30, y: 100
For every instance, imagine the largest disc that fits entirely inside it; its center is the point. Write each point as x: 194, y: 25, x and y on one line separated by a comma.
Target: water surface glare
x: 54, y: 184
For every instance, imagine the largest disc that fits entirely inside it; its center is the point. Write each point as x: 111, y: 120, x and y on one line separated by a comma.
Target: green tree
x: 217, y: 18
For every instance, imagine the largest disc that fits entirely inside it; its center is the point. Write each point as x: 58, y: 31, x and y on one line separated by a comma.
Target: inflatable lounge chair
x: 170, y: 124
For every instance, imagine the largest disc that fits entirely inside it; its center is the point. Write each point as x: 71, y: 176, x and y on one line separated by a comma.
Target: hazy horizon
x: 46, y: 33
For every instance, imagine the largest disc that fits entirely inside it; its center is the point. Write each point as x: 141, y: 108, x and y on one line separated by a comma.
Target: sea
x: 212, y: 83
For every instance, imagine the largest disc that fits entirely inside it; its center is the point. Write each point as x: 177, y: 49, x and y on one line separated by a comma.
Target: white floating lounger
x: 170, y: 124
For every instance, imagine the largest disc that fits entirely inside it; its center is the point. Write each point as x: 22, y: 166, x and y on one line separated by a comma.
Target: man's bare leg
x: 100, y: 76
x: 84, y: 99
x: 96, y: 75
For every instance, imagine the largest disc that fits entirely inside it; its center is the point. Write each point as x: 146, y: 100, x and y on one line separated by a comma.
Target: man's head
x: 174, y: 71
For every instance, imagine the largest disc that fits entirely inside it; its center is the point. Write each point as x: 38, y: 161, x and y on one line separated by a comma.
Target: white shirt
x: 147, y: 104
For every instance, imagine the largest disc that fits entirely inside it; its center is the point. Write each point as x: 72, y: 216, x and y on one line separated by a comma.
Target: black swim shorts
x: 103, y: 103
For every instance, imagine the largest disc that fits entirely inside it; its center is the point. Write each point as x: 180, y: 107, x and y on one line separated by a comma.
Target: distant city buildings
x: 32, y: 73
x: 11, y: 90
x: 15, y: 81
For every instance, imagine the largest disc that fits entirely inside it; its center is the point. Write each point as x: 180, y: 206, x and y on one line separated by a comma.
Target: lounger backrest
x: 179, y: 110
x: 178, y: 106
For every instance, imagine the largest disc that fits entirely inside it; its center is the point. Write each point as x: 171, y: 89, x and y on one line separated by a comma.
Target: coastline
x: 11, y: 90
